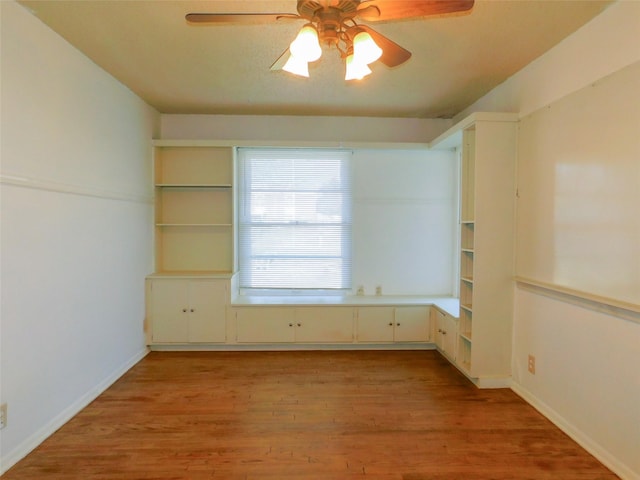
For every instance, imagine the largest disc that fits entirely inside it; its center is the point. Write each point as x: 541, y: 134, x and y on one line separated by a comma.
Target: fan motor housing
x: 311, y: 9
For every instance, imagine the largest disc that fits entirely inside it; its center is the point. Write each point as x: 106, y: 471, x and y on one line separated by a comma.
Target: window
x: 295, y: 220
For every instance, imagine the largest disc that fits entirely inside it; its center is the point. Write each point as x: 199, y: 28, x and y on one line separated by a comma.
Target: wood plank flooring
x: 391, y: 415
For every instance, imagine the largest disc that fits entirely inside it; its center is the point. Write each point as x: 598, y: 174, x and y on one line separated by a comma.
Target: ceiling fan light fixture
x: 297, y: 66
x: 355, y: 70
x: 365, y: 49
x: 306, y: 46
x: 333, y: 22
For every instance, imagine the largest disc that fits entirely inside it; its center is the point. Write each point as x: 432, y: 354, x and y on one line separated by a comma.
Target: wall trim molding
x: 31, y: 442
x: 88, y: 191
x: 586, y: 442
x: 609, y: 306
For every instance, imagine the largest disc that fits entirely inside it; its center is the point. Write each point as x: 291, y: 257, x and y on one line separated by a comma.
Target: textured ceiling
x: 224, y: 69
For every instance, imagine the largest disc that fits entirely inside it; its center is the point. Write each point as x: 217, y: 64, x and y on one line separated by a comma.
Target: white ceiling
x: 179, y: 68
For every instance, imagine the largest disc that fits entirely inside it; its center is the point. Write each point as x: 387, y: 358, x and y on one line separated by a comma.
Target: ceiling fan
x: 335, y: 23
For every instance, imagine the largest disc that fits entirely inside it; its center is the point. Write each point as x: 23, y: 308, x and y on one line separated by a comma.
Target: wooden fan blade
x: 214, y: 18
x: 400, y: 9
x: 370, y: 13
x: 392, y: 53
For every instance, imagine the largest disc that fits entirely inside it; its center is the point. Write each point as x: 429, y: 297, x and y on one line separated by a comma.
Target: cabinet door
x: 169, y: 311
x: 440, y: 327
x: 324, y: 324
x: 446, y: 333
x: 265, y: 325
x: 375, y: 324
x: 450, y: 336
x: 411, y: 324
x: 207, y: 306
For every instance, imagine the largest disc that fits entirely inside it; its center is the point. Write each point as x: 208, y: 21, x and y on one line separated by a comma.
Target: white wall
x: 301, y: 129
x: 76, y: 229
x: 587, y: 378
x: 404, y: 221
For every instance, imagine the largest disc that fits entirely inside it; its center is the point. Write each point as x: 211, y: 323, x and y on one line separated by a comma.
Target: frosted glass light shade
x: 356, y: 70
x: 297, y: 66
x: 306, y: 45
x: 365, y: 50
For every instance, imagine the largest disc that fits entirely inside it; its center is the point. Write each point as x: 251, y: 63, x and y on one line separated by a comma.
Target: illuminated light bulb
x: 356, y: 70
x: 365, y: 50
x: 297, y: 66
x: 306, y: 45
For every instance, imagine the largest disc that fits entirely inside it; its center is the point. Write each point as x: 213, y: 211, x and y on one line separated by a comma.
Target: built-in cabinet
x: 487, y: 146
x: 393, y: 324
x: 331, y: 324
x: 187, y: 310
x: 445, y: 332
x: 288, y: 324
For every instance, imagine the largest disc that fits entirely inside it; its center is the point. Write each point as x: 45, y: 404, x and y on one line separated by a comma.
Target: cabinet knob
x: 439, y: 330
x: 291, y: 324
x: 391, y: 324
x: 444, y: 332
x: 184, y: 310
x: 299, y: 324
x: 192, y: 310
x: 398, y: 324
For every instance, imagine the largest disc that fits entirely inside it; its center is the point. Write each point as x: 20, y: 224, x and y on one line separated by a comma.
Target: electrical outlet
x: 379, y: 290
x: 360, y: 290
x: 532, y: 365
x: 3, y: 415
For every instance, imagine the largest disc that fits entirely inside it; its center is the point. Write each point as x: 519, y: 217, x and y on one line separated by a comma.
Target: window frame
x: 245, y: 171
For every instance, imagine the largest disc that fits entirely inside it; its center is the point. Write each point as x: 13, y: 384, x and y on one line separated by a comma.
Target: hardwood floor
x: 392, y: 415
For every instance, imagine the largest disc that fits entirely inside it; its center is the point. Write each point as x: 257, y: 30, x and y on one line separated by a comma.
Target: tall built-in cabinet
x: 195, y: 226
x: 487, y: 146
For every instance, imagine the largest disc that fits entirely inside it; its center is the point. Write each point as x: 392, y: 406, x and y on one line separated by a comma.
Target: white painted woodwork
x: 488, y: 144
x: 412, y: 324
x: 194, y: 165
x: 168, y: 300
x: 375, y: 324
x: 265, y: 325
x: 188, y: 311
x: 445, y: 332
x: 494, y: 156
x: 324, y: 324
x: 194, y: 208
x: 393, y: 324
x: 207, y: 311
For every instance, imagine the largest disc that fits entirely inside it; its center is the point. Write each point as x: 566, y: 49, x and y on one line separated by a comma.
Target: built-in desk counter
x: 448, y: 305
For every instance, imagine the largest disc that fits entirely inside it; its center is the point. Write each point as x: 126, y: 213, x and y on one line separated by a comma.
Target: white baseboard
x: 267, y: 347
x: 493, y: 382
x: 11, y: 458
x: 586, y: 442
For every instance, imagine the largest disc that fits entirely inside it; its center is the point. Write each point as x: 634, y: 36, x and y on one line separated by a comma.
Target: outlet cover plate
x: 3, y: 415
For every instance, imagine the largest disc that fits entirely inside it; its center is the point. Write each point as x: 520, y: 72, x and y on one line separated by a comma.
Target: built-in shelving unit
x: 194, y: 209
x: 487, y: 146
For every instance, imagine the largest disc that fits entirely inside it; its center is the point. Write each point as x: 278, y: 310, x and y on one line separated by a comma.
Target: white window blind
x: 295, y: 220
